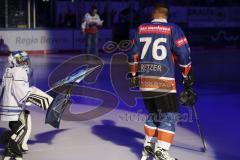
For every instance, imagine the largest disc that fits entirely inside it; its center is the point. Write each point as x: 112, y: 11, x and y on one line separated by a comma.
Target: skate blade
x: 144, y: 158
x: 148, y: 158
x: 156, y: 158
x: 7, y: 158
x: 12, y: 158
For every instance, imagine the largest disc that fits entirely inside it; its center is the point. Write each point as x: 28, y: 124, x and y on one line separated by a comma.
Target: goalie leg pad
x: 26, y: 137
x: 5, y: 137
x: 39, y: 98
x: 21, y: 130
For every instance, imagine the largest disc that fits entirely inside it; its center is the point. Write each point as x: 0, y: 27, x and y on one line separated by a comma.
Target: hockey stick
x: 188, y: 98
x: 200, y: 129
x: 62, y: 99
x: 74, y: 78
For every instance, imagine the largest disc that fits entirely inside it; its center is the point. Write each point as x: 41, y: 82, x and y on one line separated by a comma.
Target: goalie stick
x: 75, y: 77
x: 62, y: 100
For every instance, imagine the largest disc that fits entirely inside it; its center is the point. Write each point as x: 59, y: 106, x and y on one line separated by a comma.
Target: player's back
x: 155, y: 43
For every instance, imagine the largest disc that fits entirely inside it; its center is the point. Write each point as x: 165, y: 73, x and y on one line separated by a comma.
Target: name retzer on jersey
x: 148, y: 67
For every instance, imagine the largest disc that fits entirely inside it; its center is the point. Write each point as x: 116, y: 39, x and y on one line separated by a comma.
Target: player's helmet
x: 19, y: 58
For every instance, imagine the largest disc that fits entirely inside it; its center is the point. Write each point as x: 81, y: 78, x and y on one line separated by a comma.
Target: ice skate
x: 9, y: 155
x: 12, y: 158
x: 162, y: 154
x: 148, y: 150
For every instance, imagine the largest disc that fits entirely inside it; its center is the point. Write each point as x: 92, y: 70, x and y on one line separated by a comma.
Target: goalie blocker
x: 39, y: 98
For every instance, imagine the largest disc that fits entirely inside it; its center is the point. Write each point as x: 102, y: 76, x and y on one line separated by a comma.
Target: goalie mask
x: 19, y: 58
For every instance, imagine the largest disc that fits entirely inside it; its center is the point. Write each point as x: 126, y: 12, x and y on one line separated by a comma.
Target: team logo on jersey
x: 155, y: 29
x: 181, y: 42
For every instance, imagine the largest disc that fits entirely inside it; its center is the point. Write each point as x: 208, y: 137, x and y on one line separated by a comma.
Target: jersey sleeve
x: 21, y: 87
x: 99, y: 21
x: 2, y: 84
x: 133, y: 55
x: 181, y: 50
x: 84, y: 23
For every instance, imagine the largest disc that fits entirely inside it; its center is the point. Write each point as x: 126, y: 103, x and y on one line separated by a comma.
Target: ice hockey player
x: 156, y: 47
x: 16, y: 92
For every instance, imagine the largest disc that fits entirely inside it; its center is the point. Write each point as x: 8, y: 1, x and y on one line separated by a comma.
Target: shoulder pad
x: 20, y: 74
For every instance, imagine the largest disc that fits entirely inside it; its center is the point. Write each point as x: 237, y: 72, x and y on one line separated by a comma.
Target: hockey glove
x: 187, y: 97
x: 133, y: 80
x: 188, y: 81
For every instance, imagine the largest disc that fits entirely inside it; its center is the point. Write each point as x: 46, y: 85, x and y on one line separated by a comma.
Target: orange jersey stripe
x: 174, y: 58
x: 186, y: 70
x: 135, y: 57
x: 165, y: 136
x: 133, y: 67
x: 150, y: 132
x: 149, y: 82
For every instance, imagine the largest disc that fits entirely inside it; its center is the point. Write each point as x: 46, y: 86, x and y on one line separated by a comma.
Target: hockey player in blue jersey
x: 157, y: 46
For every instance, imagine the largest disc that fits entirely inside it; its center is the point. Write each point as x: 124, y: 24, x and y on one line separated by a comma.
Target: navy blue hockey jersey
x: 156, y: 48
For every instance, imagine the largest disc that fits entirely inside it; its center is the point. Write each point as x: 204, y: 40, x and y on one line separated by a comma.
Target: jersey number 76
x: 156, y: 46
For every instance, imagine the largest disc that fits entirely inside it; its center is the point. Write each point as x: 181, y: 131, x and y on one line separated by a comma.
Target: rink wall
x: 210, y: 63
x: 49, y: 40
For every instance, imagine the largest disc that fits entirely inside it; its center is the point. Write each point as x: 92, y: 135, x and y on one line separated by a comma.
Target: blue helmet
x: 19, y: 58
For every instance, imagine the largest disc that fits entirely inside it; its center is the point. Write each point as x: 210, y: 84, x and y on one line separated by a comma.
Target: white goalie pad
x: 1, y: 90
x: 39, y: 98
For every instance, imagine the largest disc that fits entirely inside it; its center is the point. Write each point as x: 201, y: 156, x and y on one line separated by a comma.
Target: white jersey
x: 90, y: 23
x: 15, y: 88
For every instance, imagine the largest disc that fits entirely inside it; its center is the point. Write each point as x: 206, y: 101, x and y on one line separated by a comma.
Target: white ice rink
x: 110, y: 137
x: 115, y: 137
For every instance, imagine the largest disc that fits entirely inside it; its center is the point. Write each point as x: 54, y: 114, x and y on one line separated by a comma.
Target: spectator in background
x: 104, y: 16
x: 70, y: 19
x: 90, y: 27
x: 122, y: 25
x: 3, y: 47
